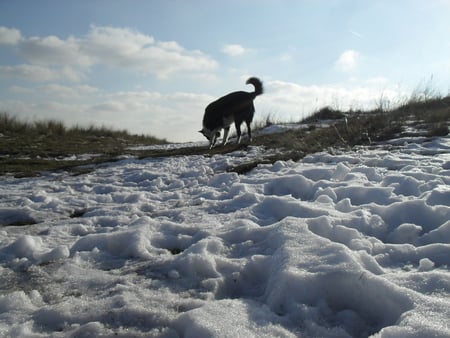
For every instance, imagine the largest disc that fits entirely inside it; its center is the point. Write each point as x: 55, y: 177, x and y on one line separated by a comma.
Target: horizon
x: 153, y: 69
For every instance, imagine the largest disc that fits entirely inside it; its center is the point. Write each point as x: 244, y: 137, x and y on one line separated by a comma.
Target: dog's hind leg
x: 238, y: 131
x: 249, y: 131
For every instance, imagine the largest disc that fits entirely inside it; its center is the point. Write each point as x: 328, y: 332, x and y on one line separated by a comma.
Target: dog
x: 235, y: 107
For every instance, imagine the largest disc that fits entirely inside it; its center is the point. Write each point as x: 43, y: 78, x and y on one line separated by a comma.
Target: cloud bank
x: 289, y: 101
x: 52, y: 58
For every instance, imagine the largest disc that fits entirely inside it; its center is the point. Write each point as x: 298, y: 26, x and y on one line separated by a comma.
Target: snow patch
x: 349, y: 244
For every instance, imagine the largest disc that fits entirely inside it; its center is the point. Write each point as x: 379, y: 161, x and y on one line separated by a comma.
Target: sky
x: 151, y: 67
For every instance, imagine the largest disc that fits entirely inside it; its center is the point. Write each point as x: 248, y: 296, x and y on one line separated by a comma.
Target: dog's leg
x: 225, y: 135
x: 212, y: 140
x: 249, y: 131
x: 238, y: 132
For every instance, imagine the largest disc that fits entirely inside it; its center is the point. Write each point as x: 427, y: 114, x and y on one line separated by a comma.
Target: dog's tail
x: 257, y: 84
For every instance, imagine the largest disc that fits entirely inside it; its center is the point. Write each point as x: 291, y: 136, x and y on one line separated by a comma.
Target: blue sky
x: 152, y: 66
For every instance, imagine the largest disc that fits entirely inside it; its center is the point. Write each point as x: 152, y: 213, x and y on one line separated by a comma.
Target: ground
x: 342, y: 243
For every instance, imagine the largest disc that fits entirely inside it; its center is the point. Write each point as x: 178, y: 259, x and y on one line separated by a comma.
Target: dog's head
x: 208, y: 133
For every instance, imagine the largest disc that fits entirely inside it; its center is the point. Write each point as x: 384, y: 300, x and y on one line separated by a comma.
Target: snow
x: 279, y: 128
x: 348, y: 244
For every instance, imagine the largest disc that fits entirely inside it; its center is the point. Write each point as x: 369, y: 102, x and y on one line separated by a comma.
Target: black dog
x: 235, y: 107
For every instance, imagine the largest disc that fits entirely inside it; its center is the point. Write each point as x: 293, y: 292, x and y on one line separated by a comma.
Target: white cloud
x: 130, y: 50
x: 9, y: 36
x: 29, y: 72
x: 174, y: 116
x: 20, y: 90
x: 120, y: 48
x: 113, y: 38
x: 348, y: 60
x: 57, y: 91
x: 72, y: 74
x: 37, y: 73
x: 53, y: 51
x: 379, y: 80
x: 162, y: 61
x: 292, y: 101
x: 234, y: 50
x: 68, y: 92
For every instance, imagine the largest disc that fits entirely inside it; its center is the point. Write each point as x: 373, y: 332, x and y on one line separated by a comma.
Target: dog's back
x: 232, y: 106
x: 235, y: 107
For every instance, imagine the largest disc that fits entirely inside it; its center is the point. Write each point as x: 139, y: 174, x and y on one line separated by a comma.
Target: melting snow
x: 335, y: 245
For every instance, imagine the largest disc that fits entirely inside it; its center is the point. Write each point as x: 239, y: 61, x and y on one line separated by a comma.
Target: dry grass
x: 28, y: 148
x: 429, y: 117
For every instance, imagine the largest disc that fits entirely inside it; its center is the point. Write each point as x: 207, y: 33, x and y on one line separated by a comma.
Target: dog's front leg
x: 212, y: 140
x: 225, y: 135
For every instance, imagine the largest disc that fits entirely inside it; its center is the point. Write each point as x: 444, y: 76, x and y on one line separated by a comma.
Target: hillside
x: 29, y: 148
x: 342, y: 243
x: 352, y: 241
x: 26, y: 150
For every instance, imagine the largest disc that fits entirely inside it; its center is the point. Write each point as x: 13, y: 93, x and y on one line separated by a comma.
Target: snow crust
x: 350, y: 244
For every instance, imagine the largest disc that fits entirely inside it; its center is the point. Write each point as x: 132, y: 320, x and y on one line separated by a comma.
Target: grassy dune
x: 29, y: 148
